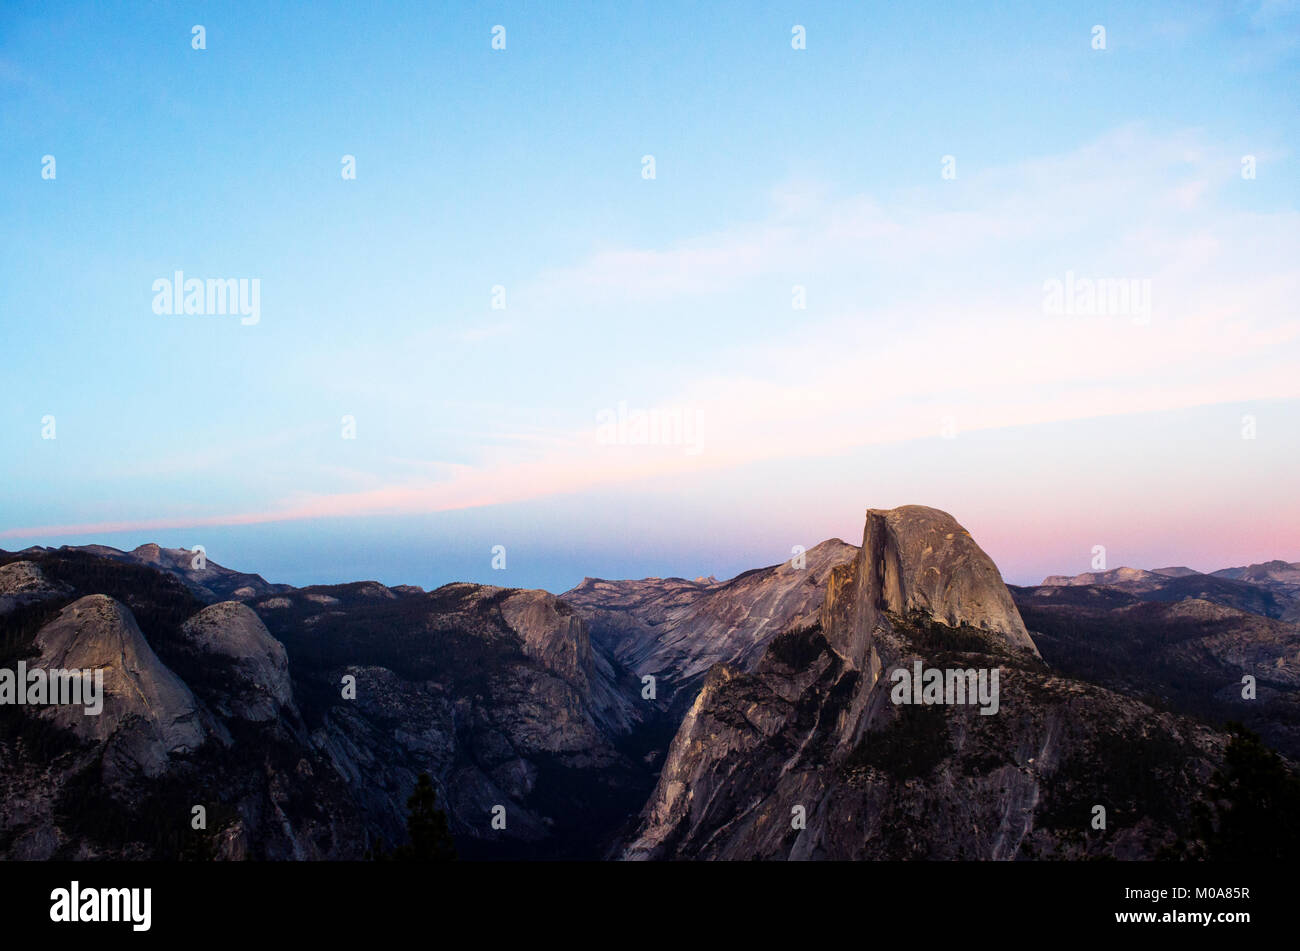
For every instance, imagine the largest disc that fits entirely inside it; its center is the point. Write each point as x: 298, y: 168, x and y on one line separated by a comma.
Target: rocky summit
x: 918, y: 560
x: 888, y: 700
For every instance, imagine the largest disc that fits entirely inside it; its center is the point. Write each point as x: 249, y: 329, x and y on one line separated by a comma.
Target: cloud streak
x: 905, y: 354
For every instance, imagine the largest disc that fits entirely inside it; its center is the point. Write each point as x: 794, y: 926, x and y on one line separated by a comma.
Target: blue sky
x: 522, y: 168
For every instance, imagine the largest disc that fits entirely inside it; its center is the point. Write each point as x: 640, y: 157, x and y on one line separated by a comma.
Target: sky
x: 650, y: 291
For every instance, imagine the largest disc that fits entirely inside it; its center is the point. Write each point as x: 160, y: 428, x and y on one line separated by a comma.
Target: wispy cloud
x: 910, y: 349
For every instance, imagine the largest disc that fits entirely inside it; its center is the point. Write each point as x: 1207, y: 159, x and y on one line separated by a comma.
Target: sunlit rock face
x: 918, y: 559
x: 148, y: 712
x: 809, y: 756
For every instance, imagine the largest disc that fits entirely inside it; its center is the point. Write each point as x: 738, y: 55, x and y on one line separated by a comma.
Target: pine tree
x: 427, y: 826
x: 1254, y: 804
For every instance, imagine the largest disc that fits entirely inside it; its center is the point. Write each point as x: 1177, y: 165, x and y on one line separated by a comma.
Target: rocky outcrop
x: 148, y: 712
x: 259, y: 667
x: 808, y: 756
x: 555, y: 635
x: 1117, y: 576
x: 24, y: 577
x: 676, y: 630
x: 550, y: 631
x: 180, y: 685
x: 22, y: 582
x: 916, y: 559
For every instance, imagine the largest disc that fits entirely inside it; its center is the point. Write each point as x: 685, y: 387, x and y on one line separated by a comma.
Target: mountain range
x: 662, y: 718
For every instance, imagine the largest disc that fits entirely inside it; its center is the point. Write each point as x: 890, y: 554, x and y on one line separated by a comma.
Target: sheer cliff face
x: 808, y: 755
x: 915, y: 559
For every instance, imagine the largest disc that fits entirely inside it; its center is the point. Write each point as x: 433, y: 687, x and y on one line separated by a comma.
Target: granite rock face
x: 22, y: 582
x: 1117, y: 576
x: 676, y: 630
x: 551, y: 633
x: 306, y: 737
x: 497, y: 693
x: 148, y: 715
x: 809, y: 756
x: 22, y: 578
x: 169, y: 736
x: 229, y: 631
x: 916, y: 559
x: 814, y: 762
